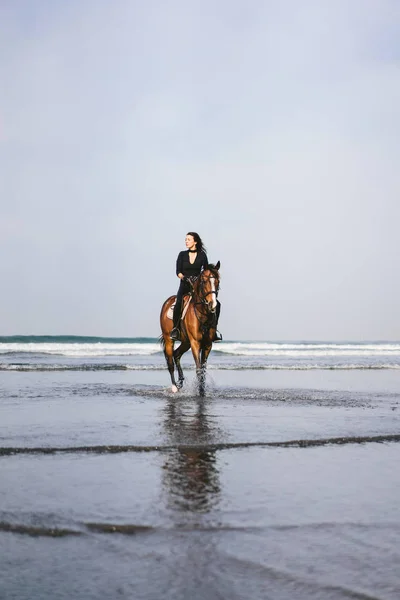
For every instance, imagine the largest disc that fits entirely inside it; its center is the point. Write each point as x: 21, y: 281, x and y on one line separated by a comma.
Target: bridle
x: 202, y: 294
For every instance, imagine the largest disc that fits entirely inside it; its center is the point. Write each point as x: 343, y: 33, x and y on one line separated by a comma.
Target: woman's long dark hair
x: 200, y: 246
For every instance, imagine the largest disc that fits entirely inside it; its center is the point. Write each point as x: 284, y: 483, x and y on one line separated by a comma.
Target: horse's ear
x: 217, y: 266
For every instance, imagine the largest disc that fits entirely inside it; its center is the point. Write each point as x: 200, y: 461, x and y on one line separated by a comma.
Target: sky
x: 272, y: 128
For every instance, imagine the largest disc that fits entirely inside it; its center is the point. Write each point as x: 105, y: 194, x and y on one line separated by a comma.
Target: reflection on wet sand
x: 190, y: 476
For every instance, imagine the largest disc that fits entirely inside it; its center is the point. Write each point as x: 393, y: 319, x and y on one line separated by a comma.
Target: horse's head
x: 208, y: 286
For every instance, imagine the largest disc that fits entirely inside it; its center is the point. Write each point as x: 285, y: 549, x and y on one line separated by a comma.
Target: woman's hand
x: 181, y: 276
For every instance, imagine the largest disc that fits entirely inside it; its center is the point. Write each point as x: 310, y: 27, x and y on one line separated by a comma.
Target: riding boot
x: 175, y: 334
x: 217, y: 335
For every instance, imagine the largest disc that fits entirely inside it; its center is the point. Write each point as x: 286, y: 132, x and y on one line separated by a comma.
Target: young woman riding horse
x: 197, y: 328
x: 189, y: 265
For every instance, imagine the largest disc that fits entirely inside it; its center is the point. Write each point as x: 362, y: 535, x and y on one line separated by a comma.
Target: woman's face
x: 190, y: 243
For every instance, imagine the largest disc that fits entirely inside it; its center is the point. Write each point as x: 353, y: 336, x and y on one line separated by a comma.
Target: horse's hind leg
x: 184, y: 347
x: 169, y: 357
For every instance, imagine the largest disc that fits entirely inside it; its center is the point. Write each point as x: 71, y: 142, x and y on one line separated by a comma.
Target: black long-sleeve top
x: 189, y: 270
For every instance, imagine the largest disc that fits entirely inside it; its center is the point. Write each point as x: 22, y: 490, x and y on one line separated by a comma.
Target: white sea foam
x: 307, y: 350
x: 83, y: 350
x: 245, y: 349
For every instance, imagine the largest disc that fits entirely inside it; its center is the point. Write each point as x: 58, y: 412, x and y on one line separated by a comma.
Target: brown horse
x: 198, y: 326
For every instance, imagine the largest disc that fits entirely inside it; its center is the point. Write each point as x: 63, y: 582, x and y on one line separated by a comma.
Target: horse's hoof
x: 174, y: 389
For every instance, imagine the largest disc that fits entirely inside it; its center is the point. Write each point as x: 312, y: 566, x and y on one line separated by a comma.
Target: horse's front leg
x: 205, y: 351
x: 184, y: 347
x: 196, y: 350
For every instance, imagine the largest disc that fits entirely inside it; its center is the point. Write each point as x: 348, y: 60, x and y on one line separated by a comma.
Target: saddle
x: 185, y: 305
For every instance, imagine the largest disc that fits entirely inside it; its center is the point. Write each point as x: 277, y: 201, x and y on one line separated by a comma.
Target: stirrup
x: 175, y: 334
x: 217, y: 336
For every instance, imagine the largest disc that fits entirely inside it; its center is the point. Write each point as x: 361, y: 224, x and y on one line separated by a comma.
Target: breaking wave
x: 80, y: 347
x: 28, y: 367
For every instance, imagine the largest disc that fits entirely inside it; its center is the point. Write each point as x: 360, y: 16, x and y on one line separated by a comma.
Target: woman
x: 189, y: 263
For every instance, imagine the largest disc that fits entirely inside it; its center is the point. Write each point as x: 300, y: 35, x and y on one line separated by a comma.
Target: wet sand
x: 282, y: 485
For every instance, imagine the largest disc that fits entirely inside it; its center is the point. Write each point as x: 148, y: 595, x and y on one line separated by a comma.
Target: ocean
x: 282, y: 482
x: 96, y: 353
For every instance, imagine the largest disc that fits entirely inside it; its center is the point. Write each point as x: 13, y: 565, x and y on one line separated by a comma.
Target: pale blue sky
x: 271, y: 128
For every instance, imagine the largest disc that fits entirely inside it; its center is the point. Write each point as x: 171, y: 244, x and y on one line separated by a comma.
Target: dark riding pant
x: 184, y: 288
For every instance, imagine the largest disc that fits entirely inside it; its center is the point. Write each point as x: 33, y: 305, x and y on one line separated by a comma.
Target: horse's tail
x: 161, y: 341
